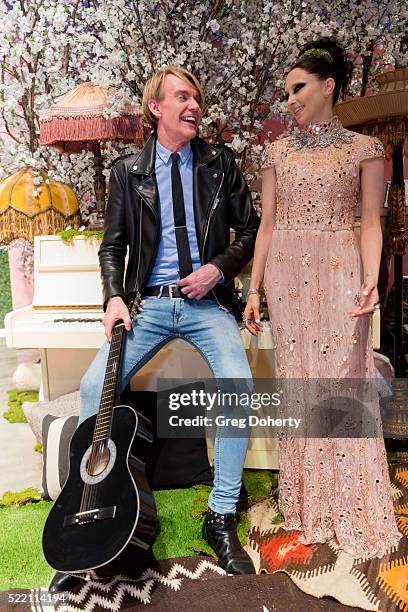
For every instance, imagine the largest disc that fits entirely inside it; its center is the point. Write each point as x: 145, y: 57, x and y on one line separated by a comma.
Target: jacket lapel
x: 206, y: 180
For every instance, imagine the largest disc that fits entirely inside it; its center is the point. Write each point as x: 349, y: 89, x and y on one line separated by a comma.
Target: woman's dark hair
x: 326, y: 58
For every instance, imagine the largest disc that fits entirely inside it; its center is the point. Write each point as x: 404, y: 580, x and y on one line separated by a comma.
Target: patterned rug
x: 178, y: 585
x: 377, y: 584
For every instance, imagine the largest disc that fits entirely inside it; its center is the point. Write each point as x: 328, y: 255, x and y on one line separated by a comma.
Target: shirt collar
x: 164, y: 154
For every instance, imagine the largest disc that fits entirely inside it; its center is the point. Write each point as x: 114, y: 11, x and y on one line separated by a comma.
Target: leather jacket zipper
x: 140, y: 245
x: 210, y: 215
x: 207, y: 227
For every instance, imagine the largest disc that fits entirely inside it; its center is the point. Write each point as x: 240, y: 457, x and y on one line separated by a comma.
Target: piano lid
x: 66, y: 274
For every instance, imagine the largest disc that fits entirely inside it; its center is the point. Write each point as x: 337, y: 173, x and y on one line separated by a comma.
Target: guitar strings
x: 89, y: 492
x: 86, y: 503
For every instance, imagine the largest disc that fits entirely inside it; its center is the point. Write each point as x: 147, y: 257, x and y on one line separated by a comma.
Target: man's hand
x: 115, y: 311
x: 199, y: 283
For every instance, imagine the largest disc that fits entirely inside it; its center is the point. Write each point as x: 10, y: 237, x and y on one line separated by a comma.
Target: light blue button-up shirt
x: 165, y: 269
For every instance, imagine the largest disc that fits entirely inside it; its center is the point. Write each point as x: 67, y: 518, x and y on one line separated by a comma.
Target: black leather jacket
x: 221, y: 200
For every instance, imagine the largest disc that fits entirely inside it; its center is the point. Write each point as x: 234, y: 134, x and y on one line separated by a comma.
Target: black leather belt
x: 170, y: 291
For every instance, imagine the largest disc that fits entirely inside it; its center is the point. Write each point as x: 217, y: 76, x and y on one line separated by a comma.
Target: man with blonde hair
x: 172, y: 206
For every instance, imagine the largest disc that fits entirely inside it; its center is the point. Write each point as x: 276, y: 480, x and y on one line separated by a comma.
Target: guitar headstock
x: 133, y: 303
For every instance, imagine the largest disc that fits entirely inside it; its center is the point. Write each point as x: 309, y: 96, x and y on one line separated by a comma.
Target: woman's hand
x: 369, y: 299
x: 251, y: 318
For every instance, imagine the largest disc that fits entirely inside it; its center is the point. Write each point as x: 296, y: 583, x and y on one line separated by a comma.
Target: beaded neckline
x: 321, y: 127
x: 321, y: 134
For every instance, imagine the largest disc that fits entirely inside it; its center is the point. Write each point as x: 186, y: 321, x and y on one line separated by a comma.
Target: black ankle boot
x: 220, y: 531
x: 64, y: 582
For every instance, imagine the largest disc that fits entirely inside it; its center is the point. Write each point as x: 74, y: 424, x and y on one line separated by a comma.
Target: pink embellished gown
x: 331, y: 489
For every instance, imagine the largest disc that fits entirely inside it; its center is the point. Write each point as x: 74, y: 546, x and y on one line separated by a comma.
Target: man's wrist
x: 220, y: 278
x: 112, y: 297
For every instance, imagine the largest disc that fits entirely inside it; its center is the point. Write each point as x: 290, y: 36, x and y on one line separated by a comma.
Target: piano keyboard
x: 31, y: 328
x: 82, y: 322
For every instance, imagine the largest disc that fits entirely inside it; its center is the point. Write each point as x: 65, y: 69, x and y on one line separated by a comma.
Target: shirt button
x: 134, y: 167
x: 140, y: 187
x: 215, y: 175
x: 213, y: 152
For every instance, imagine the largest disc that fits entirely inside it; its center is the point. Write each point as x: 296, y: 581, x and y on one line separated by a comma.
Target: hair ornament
x: 316, y: 54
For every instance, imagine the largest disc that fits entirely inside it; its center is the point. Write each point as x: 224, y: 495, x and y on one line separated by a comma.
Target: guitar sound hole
x: 97, y: 464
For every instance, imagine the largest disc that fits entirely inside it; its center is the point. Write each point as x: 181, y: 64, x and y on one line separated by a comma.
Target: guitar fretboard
x: 104, y: 417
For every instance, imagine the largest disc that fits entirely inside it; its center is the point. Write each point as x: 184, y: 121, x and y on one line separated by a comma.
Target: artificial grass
x: 5, y: 293
x: 12, y: 499
x: 15, y: 413
x: 24, y: 566
x: 180, y: 511
x: 278, y: 518
x: 176, y: 527
x: 21, y: 562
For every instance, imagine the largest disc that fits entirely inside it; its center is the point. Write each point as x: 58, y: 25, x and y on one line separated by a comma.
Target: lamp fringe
x: 66, y: 130
x: 14, y: 224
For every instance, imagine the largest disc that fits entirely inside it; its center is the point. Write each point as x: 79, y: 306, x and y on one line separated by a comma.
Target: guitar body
x: 107, y: 511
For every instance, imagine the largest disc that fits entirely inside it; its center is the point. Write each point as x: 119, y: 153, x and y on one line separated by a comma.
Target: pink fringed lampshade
x: 77, y: 119
x: 77, y: 122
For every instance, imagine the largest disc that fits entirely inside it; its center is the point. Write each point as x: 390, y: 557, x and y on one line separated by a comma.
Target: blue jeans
x: 216, y: 335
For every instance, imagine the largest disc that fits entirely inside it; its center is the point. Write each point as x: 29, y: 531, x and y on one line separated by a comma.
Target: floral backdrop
x: 239, y: 49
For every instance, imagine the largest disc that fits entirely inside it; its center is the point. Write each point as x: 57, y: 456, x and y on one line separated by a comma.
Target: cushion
x: 56, y: 435
x: 65, y: 405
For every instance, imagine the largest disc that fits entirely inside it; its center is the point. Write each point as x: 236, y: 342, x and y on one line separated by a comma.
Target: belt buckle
x: 171, y: 287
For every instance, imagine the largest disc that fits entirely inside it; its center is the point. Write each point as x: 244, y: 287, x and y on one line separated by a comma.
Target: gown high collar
x: 322, y: 127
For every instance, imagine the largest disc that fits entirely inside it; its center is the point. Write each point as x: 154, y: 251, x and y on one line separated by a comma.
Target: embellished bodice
x: 318, y: 175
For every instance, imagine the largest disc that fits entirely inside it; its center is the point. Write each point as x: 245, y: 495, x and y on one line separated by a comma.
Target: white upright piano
x: 65, y: 323
x: 65, y: 319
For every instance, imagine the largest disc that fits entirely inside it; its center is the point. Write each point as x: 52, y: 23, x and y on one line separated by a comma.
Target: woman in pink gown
x: 321, y: 287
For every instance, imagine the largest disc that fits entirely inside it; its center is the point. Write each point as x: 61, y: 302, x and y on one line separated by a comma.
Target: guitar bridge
x: 90, y: 516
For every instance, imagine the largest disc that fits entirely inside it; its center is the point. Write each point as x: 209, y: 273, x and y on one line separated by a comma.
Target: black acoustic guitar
x: 105, y: 511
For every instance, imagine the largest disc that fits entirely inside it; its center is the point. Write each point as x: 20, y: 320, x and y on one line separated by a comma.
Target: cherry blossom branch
x: 141, y: 30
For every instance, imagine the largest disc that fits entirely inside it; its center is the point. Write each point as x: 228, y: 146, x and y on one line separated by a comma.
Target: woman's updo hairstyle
x: 326, y: 58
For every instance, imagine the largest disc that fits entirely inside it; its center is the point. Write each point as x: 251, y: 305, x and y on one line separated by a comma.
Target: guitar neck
x: 109, y: 390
